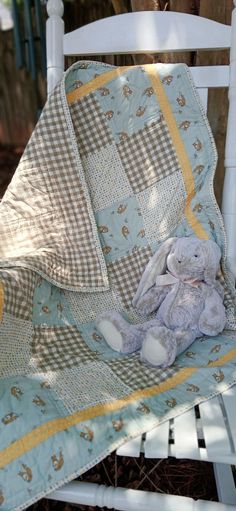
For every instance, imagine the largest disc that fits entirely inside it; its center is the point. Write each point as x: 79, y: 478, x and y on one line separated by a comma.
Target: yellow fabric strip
x: 42, y: 433
x: 95, y: 84
x: 1, y: 300
x: 179, y: 148
x: 224, y: 359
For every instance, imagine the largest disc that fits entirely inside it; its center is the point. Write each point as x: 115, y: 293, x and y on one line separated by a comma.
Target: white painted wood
x: 131, y: 448
x: 54, y: 43
x: 187, y: 431
x: 229, y: 191
x: 229, y: 401
x: 185, y: 435
x: 156, y: 443
x: 203, y: 93
x: 230, y: 217
x: 210, y: 76
x: 205, y: 505
x: 225, y: 483
x: 54, y: 77
x: 124, y: 499
x: 214, y: 430
x: 167, y: 31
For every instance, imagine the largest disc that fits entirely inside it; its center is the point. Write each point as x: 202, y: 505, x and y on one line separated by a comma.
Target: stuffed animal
x: 179, y: 285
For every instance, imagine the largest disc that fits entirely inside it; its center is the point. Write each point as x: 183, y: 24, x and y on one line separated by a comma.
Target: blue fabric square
x: 121, y: 229
x: 50, y: 306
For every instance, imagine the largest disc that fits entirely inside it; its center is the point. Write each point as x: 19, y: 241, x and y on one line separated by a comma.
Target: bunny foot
x: 159, y: 347
x: 120, y: 335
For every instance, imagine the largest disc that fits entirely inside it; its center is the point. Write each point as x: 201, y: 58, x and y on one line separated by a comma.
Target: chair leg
x: 123, y: 499
x: 225, y: 483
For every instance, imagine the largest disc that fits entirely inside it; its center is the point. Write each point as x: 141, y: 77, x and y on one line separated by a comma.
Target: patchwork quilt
x: 120, y: 160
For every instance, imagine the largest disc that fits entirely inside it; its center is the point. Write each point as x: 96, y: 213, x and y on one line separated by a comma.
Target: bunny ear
x: 213, y: 256
x: 156, y: 266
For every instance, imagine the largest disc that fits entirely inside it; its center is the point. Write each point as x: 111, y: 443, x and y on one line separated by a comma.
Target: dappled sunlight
x: 216, y: 436
x: 163, y: 206
x: 153, y: 200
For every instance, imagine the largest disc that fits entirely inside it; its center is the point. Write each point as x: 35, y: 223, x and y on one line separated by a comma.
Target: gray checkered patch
x: 126, y: 272
x: 136, y: 375
x: 148, y: 155
x: 90, y: 127
x: 49, y: 181
x: 19, y: 285
x: 56, y: 348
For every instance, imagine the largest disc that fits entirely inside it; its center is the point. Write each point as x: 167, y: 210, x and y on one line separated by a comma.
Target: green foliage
x: 6, y: 2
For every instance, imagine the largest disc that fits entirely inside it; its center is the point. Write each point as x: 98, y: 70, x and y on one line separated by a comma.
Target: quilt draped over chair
x: 120, y: 160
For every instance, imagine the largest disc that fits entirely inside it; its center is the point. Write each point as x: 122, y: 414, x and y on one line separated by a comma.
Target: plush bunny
x: 179, y: 285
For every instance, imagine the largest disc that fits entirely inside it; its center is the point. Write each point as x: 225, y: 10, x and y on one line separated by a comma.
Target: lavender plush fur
x: 179, y: 286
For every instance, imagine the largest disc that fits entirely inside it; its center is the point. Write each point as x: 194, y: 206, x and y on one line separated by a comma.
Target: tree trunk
x: 119, y: 6
x: 147, y: 5
x: 20, y: 96
x: 188, y: 7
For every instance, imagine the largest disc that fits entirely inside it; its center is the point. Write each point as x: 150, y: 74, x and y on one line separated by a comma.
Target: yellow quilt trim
x: 95, y: 84
x: 42, y: 433
x: 179, y: 148
x: 224, y: 359
x: 45, y: 431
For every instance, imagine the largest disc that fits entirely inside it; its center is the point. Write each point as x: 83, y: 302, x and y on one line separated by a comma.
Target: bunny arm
x: 152, y: 299
x: 212, y: 319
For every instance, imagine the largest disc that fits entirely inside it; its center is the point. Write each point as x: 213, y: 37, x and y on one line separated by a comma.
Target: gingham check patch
x: 56, y: 348
x: 52, y: 228
x: 228, y: 297
x: 148, y: 156
x: 19, y: 285
x: 126, y: 272
x: 136, y: 375
x: 90, y: 127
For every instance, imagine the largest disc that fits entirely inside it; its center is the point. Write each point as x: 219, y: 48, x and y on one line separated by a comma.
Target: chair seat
x: 209, y: 434
x: 205, y: 433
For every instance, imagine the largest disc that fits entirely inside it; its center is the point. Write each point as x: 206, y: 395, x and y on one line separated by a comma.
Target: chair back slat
x: 210, y: 76
x: 167, y: 32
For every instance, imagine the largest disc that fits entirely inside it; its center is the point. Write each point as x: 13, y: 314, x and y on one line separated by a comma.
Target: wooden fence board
x: 20, y: 96
x: 218, y: 98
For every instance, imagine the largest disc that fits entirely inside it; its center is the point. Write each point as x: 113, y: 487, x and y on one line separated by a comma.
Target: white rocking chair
x: 214, y: 426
